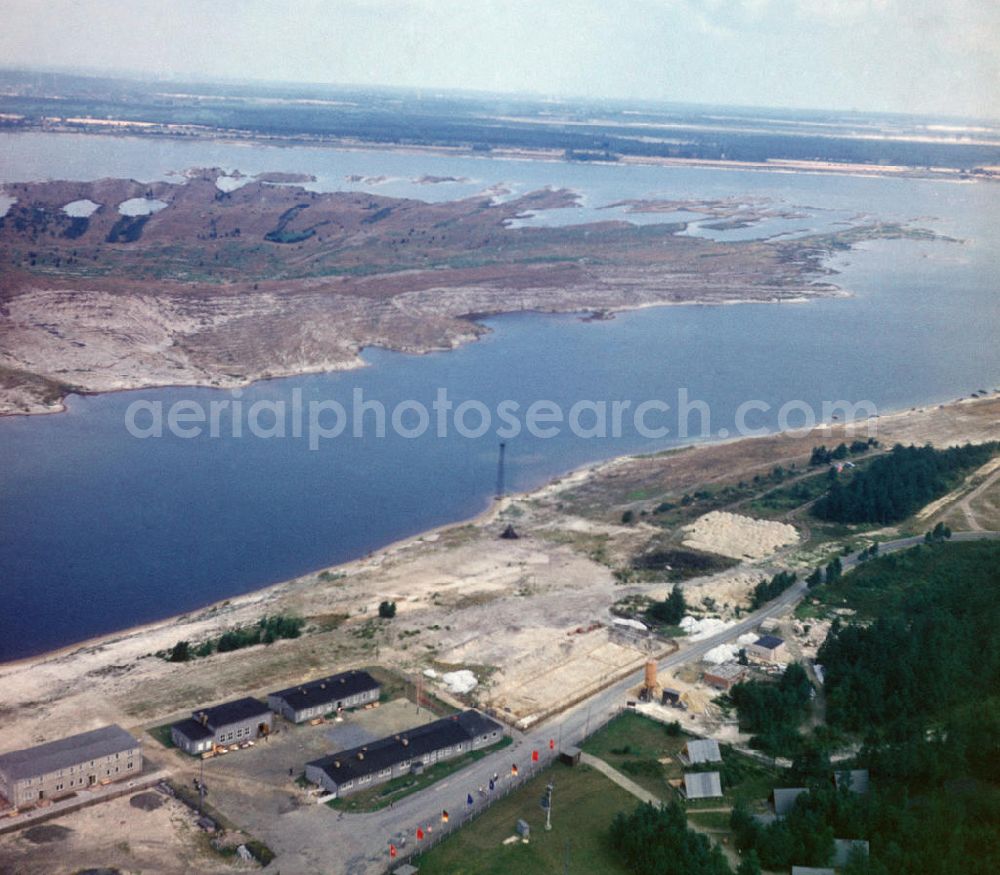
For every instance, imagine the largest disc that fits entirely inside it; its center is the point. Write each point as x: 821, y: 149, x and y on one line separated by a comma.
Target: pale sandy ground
x: 737, y: 536
x: 466, y: 599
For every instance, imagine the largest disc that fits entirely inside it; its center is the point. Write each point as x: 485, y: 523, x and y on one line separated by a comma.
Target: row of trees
x: 766, y: 590
x: 898, y: 484
x: 822, y: 456
x: 267, y: 630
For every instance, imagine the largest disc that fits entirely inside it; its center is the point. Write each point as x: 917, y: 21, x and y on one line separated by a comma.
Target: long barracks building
x: 350, y: 689
x: 232, y: 722
x: 369, y: 765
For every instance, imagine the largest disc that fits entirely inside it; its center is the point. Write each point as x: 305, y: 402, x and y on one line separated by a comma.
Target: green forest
x: 916, y: 681
x: 898, y: 484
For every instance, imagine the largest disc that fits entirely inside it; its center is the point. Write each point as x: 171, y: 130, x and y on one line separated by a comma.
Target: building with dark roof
x: 62, y: 767
x: 855, y: 780
x: 768, y: 647
x: 784, y: 798
x: 350, y: 689
x: 229, y: 723
x: 359, y: 768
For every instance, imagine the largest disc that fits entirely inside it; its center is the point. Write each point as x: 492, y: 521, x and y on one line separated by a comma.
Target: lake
x: 100, y: 530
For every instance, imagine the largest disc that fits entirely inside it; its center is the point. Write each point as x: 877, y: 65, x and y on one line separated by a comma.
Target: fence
x: 483, y: 803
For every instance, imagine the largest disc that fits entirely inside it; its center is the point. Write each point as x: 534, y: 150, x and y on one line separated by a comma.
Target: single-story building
x: 702, y: 785
x: 769, y: 647
x: 360, y: 768
x: 724, y: 677
x: 855, y: 780
x: 704, y: 750
x: 62, y: 767
x: 229, y: 723
x: 844, y: 849
x: 350, y: 689
x: 784, y: 798
x: 811, y: 870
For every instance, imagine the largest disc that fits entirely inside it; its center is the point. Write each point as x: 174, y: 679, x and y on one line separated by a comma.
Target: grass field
x: 584, y: 803
x: 633, y: 745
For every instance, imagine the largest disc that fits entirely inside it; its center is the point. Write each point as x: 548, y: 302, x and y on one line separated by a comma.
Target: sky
x: 919, y: 56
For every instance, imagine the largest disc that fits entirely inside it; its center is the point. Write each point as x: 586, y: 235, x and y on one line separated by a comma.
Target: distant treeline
x: 475, y: 125
x: 898, y: 484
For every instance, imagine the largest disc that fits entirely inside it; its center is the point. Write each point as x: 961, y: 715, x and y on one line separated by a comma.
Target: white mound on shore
x: 739, y: 537
x: 459, y: 682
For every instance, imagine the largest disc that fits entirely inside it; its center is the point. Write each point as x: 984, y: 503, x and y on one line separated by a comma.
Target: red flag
x: 534, y: 756
x: 444, y: 816
x: 392, y: 851
x: 420, y: 833
x: 552, y: 744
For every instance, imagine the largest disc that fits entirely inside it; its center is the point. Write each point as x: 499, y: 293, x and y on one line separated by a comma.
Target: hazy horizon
x: 874, y: 56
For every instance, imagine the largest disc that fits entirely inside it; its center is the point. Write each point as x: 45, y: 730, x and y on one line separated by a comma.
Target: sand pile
x: 739, y: 537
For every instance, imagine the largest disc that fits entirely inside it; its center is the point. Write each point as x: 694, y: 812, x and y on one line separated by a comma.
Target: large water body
x: 100, y: 530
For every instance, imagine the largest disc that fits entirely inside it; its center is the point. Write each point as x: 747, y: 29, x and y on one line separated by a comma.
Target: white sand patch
x: 81, y: 209
x: 722, y: 653
x: 141, y: 206
x: 739, y: 537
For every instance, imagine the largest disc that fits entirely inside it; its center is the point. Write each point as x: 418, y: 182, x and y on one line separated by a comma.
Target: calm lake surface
x: 100, y: 530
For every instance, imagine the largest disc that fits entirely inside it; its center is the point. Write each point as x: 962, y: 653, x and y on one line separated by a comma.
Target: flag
x: 534, y: 756
x: 552, y: 744
x: 468, y: 799
x: 392, y: 850
x: 420, y: 833
x: 444, y: 816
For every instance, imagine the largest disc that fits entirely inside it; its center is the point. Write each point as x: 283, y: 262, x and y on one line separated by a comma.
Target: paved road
x: 362, y: 840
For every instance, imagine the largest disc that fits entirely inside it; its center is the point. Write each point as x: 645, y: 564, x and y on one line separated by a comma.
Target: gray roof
x: 784, y: 798
x: 727, y: 671
x: 811, y: 870
x: 192, y: 730
x: 842, y: 849
x: 856, y: 780
x: 66, y: 752
x: 704, y: 750
x: 702, y: 785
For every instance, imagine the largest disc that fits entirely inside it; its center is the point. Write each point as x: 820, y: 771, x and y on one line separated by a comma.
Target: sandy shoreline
x: 553, y: 486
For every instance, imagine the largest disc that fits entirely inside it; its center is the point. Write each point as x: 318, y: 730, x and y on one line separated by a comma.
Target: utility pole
x: 548, y: 808
x: 201, y: 790
x: 501, y: 485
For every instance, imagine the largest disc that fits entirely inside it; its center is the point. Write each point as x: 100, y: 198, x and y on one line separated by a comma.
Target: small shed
x: 703, y: 750
x: 855, y: 780
x: 811, y: 870
x: 670, y: 697
x: 570, y: 756
x: 844, y: 849
x: 702, y: 785
x: 784, y: 798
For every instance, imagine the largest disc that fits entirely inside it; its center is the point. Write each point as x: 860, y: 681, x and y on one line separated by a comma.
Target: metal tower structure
x: 501, y: 485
